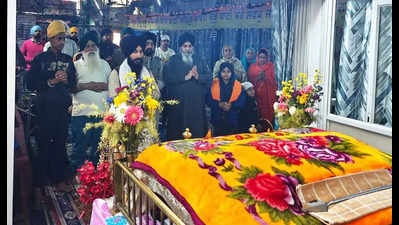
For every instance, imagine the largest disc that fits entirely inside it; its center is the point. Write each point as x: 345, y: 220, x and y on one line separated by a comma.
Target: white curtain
x: 307, y: 42
x: 300, y: 60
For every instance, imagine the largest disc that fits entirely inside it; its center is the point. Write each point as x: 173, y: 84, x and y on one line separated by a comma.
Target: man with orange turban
x: 74, y: 34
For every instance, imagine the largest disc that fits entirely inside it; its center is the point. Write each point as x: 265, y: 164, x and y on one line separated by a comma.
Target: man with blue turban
x: 33, y: 46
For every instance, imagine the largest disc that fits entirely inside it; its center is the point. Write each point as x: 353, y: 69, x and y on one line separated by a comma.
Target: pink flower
x: 307, y: 89
x: 310, y: 110
x: 133, y: 115
x: 238, y: 137
x: 270, y: 189
x: 280, y: 148
x: 203, y: 146
x: 283, y: 106
x: 119, y: 89
x: 109, y: 119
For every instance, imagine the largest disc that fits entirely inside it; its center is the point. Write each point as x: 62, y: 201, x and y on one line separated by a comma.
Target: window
x: 361, y: 81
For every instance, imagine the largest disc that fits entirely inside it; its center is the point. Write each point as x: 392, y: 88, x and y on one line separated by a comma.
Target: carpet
x: 61, y: 209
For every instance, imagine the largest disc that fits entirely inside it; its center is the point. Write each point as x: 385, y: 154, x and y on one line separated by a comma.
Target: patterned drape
x: 383, y: 101
x: 283, y: 17
x: 352, y: 80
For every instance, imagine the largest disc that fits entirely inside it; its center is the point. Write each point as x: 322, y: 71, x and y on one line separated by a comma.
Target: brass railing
x: 135, y: 199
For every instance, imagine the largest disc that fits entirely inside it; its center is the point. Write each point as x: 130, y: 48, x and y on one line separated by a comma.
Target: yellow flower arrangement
x: 130, y: 112
x: 296, y: 106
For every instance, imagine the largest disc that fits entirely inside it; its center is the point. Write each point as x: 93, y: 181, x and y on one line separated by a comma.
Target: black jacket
x: 44, y: 67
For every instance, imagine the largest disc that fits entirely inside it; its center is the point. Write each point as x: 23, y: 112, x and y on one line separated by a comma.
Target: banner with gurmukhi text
x: 246, y: 18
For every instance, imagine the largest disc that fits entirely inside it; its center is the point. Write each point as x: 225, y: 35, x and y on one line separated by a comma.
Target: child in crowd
x: 225, y: 98
x: 249, y: 113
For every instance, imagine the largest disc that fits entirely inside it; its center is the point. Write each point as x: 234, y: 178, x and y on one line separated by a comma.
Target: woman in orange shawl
x: 261, y: 75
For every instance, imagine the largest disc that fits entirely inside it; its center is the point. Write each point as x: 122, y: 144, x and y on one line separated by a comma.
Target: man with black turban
x: 133, y: 49
x: 186, y: 79
x: 92, y: 89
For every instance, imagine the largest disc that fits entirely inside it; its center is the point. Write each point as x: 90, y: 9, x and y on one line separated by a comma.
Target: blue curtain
x: 352, y: 81
x: 283, y: 17
x: 383, y: 101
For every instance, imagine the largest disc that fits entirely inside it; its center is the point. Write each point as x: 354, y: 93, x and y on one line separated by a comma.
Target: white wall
x: 382, y: 142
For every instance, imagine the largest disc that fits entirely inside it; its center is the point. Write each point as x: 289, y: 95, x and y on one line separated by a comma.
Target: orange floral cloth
x: 248, y: 178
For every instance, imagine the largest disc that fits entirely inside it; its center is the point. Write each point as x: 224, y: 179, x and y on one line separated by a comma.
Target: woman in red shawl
x: 261, y: 75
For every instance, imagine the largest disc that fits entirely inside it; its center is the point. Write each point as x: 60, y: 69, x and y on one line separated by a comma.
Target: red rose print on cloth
x: 281, y: 148
x: 270, y: 189
x: 203, y: 146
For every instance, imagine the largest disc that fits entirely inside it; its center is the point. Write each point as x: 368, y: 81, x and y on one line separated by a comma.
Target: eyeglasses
x: 59, y: 38
x: 91, y: 46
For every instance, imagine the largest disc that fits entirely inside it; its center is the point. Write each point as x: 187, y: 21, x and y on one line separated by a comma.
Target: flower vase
x: 118, y: 155
x: 132, y: 153
x: 131, y: 157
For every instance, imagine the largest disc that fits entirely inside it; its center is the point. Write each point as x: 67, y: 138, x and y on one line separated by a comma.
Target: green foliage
x: 239, y: 193
x: 326, y: 165
x: 228, y: 168
x: 299, y: 119
x: 346, y: 147
x: 295, y: 174
x: 248, y: 172
x: 281, y: 161
x: 188, y: 151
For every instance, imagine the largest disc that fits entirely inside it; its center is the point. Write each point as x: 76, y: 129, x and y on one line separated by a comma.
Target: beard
x: 187, y: 58
x: 136, y: 65
x: 37, y: 37
x: 92, y: 60
x: 149, y: 52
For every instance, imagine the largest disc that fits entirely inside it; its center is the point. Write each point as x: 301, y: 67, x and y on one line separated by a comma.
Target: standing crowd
x: 68, y: 71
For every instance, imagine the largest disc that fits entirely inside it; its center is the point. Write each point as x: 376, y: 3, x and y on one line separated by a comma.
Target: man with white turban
x: 92, y: 90
x: 163, y: 51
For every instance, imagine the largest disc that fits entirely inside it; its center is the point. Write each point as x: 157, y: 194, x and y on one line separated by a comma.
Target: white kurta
x: 88, y: 97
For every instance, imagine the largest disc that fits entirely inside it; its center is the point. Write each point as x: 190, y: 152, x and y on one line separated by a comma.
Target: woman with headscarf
x: 226, y: 98
x: 248, y: 58
x: 261, y: 75
x: 229, y: 56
